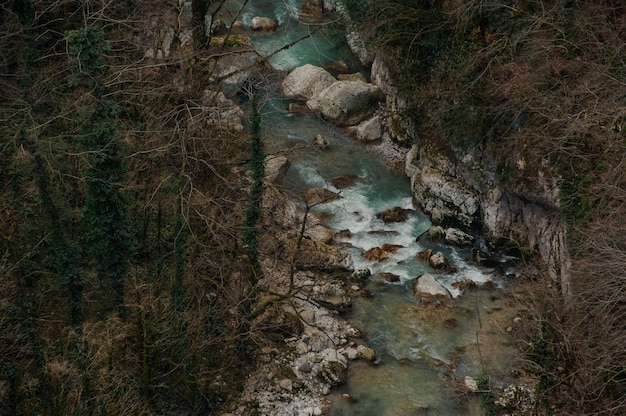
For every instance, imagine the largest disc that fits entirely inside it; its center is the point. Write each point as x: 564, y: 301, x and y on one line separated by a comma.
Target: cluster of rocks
x: 294, y: 378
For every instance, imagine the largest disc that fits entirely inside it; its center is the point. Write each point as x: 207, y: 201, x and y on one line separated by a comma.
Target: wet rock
x: 484, y: 259
x: 366, y: 353
x: 360, y: 275
x: 343, y: 234
x: 334, y: 373
x: 237, y: 26
x: 396, y: 214
x: 457, y: 237
x: 343, y: 181
x: 444, y: 197
x: 319, y: 142
x: 349, y: 102
x: 381, y: 253
x: 306, y: 82
x: 316, y: 196
x: 425, y: 255
x: 387, y: 277
x: 426, y: 286
x: 438, y: 261
x: 464, y: 285
x: 311, y: 12
x: 263, y: 24
x: 384, y: 232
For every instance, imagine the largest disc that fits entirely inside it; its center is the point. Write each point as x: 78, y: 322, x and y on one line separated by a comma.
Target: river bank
x: 308, y: 267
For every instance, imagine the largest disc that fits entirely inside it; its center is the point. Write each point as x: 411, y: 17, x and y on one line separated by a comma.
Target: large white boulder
x: 306, y: 82
x: 349, y: 102
x: 263, y: 24
x: 426, y: 286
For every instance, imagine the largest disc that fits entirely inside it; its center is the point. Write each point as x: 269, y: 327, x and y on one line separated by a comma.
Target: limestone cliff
x: 464, y: 186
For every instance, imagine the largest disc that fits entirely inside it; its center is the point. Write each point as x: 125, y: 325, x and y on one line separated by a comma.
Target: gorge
x: 305, y: 207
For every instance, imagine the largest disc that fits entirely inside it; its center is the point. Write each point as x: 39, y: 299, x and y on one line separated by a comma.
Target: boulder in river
x: 438, y: 261
x: 457, y: 237
x: 366, y: 353
x: 319, y: 142
x: 263, y: 24
x: 349, y: 102
x: 343, y: 181
x: 306, y: 82
x: 395, y: 214
x: 381, y: 253
x: 426, y: 287
x: 387, y: 277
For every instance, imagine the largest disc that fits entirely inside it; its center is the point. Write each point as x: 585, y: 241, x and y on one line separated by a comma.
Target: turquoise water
x: 421, y: 350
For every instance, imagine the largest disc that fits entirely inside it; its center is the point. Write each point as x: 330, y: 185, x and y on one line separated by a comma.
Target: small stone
x: 308, y: 316
x: 286, y: 384
x: 306, y: 367
x: 351, y: 354
x: 353, y: 332
x: 360, y: 275
x: 438, y: 261
x: 302, y: 348
x: 366, y: 353
x: 320, y: 142
x: 470, y: 384
x: 348, y: 397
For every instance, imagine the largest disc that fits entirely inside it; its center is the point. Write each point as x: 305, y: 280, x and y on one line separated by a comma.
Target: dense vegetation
x: 543, y: 85
x: 125, y: 283
x: 127, y: 223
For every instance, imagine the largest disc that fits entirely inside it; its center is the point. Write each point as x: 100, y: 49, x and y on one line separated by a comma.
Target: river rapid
x: 424, y: 352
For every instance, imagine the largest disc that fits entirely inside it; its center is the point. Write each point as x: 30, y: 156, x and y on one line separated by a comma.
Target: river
x: 423, y: 352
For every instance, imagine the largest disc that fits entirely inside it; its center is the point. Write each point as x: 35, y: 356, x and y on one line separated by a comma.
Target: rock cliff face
x: 462, y: 186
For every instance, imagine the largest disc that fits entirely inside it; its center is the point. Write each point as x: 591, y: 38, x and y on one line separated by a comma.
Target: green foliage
x: 106, y: 220
x: 88, y: 49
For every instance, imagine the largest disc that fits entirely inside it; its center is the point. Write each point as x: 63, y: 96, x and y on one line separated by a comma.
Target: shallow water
x: 421, y: 350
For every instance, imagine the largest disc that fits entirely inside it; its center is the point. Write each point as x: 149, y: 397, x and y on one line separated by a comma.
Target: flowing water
x: 421, y: 350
